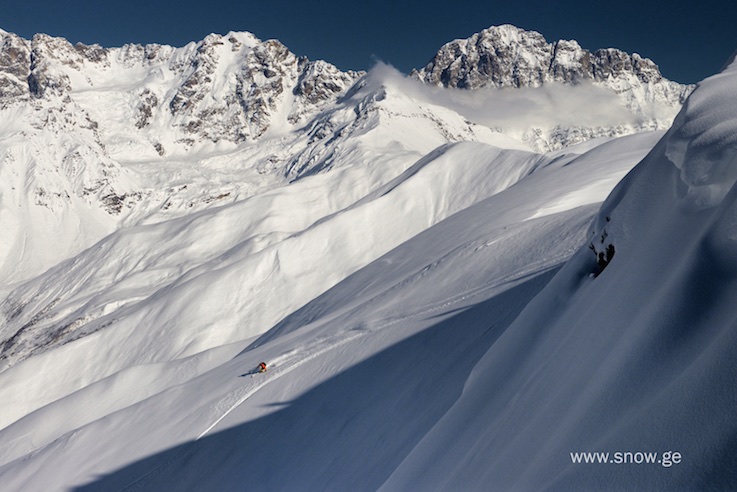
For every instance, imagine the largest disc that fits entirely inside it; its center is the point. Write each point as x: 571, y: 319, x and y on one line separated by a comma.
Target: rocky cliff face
x: 15, y: 63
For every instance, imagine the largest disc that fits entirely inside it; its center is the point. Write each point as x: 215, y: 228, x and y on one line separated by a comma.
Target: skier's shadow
x: 249, y: 373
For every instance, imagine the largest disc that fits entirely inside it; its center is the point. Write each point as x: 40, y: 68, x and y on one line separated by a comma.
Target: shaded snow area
x: 638, y: 358
x: 439, y: 305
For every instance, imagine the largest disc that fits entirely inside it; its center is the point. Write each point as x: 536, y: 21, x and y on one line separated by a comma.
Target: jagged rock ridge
x: 506, y: 56
x: 222, y: 88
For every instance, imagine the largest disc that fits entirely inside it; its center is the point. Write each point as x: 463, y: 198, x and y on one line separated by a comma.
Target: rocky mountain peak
x: 15, y: 63
x: 227, y: 87
x: 49, y: 56
x: 501, y: 56
x: 507, y: 56
x: 233, y: 89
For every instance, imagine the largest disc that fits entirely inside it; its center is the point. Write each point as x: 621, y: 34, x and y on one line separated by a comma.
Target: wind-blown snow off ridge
x: 423, y: 269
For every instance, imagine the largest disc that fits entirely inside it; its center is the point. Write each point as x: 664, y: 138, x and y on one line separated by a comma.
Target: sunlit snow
x: 420, y: 280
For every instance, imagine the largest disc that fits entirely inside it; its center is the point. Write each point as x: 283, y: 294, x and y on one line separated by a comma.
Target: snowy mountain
x: 84, y: 125
x: 98, y: 138
x: 507, y: 56
x: 425, y: 266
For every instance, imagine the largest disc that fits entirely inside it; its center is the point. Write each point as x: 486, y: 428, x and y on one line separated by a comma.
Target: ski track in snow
x: 284, y: 365
x: 236, y: 398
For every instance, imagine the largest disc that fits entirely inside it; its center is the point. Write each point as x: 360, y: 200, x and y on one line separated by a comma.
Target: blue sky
x: 689, y: 41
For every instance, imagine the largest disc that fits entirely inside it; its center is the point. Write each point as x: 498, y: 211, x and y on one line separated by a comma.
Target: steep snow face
x: 506, y: 56
x: 630, y: 348
x: 703, y: 141
x: 59, y: 189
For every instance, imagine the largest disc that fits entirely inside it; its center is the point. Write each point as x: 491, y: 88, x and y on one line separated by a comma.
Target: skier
x: 262, y: 367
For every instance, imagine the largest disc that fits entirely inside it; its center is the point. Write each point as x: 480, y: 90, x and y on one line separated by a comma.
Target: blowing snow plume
x: 547, y: 116
x: 602, y: 380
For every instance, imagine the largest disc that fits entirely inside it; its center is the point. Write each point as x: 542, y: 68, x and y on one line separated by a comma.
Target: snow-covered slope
x: 489, y: 255
x: 93, y: 136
